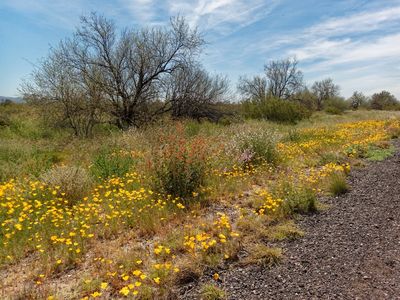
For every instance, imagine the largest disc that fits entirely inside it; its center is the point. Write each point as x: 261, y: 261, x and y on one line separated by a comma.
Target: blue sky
x: 355, y: 42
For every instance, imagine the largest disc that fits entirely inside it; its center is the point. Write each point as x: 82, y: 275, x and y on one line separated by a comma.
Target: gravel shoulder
x: 349, y: 251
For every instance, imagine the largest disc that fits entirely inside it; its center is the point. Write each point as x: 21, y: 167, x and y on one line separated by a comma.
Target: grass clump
x: 298, y: 199
x: 212, y: 292
x: 71, y: 182
x: 257, y: 147
x: 263, y: 255
x: 111, y: 163
x: 286, y: 230
x: 337, y: 184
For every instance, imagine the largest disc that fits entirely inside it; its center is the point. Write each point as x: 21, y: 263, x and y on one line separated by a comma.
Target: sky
x: 354, y: 42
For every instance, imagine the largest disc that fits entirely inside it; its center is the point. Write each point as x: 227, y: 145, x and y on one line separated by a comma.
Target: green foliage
x: 24, y: 161
x: 212, y: 292
x: 357, y: 100
x: 179, y: 165
x: 294, y: 135
x: 298, y: 199
x: 276, y: 110
x: 4, y: 120
x: 192, y: 128
x: 330, y: 157
x: 337, y: 184
x: 335, y: 106
x: 384, y: 101
x: 109, y: 163
x: 379, y: 154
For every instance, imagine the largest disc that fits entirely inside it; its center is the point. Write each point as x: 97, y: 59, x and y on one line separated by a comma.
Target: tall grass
x: 111, y: 163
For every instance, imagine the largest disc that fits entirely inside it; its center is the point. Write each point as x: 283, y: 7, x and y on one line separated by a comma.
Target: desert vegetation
x: 130, y: 172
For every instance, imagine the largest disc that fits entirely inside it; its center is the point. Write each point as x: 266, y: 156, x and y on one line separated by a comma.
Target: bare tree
x: 193, y: 93
x: 255, y: 88
x: 284, y: 78
x: 132, y: 63
x: 62, y: 92
x: 324, y: 90
x: 356, y: 100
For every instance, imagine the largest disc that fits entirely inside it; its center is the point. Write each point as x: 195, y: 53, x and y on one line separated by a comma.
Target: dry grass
x: 263, y: 255
x: 286, y: 230
x: 72, y: 183
x: 212, y: 292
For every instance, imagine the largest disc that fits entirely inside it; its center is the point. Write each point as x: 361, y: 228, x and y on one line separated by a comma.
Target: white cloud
x: 356, y: 23
x: 360, y: 51
x: 221, y: 16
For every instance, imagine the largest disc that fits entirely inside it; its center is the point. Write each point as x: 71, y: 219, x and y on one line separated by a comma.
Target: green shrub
x: 335, y: 106
x: 73, y: 182
x: 277, y: 110
x: 298, y: 199
x: 338, y: 184
x: 110, y: 163
x: 179, y: 165
x: 384, y: 101
x: 4, y: 121
x: 379, y: 154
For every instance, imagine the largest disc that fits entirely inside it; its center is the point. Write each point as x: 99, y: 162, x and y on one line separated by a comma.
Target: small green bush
x: 330, y: 157
x: 110, y: 163
x: 276, y: 110
x: 379, y: 154
x: 338, y: 184
x: 298, y: 199
x: 336, y: 106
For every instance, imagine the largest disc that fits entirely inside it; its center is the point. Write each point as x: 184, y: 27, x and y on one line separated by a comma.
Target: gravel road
x: 350, y: 251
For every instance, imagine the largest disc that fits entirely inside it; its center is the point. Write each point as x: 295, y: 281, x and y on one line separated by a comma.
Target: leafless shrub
x: 72, y: 182
x: 324, y: 90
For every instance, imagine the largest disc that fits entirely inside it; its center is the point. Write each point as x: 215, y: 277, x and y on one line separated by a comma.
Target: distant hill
x: 15, y: 99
